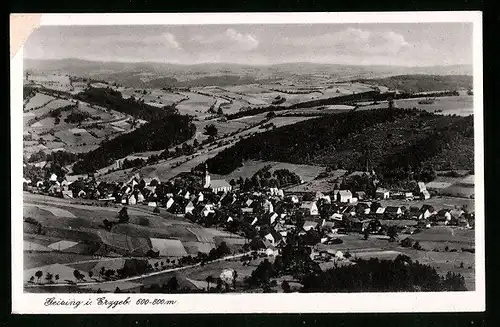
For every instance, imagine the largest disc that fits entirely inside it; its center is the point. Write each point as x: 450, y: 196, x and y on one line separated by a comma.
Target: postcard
x: 247, y: 163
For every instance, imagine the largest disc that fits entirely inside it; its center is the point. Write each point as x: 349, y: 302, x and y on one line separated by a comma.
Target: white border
x: 472, y: 301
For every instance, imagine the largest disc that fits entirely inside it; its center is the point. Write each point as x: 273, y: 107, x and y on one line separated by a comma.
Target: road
x: 134, y: 278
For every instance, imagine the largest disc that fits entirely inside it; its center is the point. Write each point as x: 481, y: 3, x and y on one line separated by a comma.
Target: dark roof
x: 391, y: 209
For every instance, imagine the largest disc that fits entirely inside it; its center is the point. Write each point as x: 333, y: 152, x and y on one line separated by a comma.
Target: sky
x: 410, y: 44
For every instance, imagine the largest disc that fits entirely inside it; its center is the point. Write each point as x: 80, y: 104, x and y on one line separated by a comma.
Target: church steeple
x: 207, y: 177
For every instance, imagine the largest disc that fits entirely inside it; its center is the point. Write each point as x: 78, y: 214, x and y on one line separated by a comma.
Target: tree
x: 285, y: 286
x: 49, y: 277
x: 90, y: 273
x: 219, y: 111
x: 366, y: 233
x: 32, y: 279
x: 39, y: 274
x: 172, y: 285
x: 271, y: 114
x: 77, y: 274
x: 57, y: 276
x: 123, y: 215
x: 407, y: 243
x: 392, y: 233
x: 209, y: 279
x: 211, y: 131
x: 417, y: 245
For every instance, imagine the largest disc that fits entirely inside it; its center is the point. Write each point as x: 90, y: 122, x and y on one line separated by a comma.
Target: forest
x: 155, y: 135
x: 393, y: 142
x: 422, y: 83
x: 111, y: 99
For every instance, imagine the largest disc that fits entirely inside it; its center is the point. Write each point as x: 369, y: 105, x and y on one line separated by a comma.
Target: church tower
x: 207, y: 177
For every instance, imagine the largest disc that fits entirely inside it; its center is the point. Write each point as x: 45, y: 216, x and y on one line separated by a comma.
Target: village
x: 267, y: 214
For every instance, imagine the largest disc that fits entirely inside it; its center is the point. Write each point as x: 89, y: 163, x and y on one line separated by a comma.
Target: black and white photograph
x: 248, y: 158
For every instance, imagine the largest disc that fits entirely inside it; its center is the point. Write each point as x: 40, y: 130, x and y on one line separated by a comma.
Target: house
x: 344, y: 196
x: 53, y: 178
x: 268, y: 206
x: 220, y: 185
x: 457, y: 213
x: 140, y: 197
x: 426, y: 211
x: 362, y: 208
x: 425, y: 195
x: 443, y: 215
x: 408, y: 195
x: 308, y: 225
x: 189, y: 207
x: 361, y: 195
x: 200, y: 197
x: 152, y: 204
x: 393, y: 212
x: 208, y: 209
x: 294, y: 199
x: 246, y: 210
x: 273, y: 237
x: 67, y: 194
x: 273, y: 217
x: 248, y: 202
x: 132, y: 199
x: 328, y: 226
x: 382, y: 193
x: 349, y: 210
x: 81, y: 194
x: 169, y: 203
x: 336, y: 216
x: 414, y: 212
x: 421, y: 187
x: 310, y: 208
x: 280, y: 193
x: 380, y: 211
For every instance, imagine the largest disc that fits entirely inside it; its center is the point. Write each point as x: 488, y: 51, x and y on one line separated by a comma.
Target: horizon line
x: 242, y: 64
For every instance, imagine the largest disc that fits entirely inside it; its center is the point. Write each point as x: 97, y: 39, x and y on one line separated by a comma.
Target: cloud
x: 167, y: 40
x: 352, y: 41
x: 229, y: 40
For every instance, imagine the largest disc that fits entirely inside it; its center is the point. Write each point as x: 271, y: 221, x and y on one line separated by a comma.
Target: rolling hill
x: 422, y: 82
x: 389, y: 140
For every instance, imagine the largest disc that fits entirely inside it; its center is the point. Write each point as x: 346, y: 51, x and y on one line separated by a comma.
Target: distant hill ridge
x: 168, y: 74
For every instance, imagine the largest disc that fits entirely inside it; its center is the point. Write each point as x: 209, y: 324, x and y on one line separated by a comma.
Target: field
x: 74, y: 234
x: 436, y: 238
x: 452, y: 105
x: 196, y: 104
x: 37, y: 101
x: 305, y: 172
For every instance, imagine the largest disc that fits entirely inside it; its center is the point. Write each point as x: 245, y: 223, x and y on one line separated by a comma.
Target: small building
x: 308, y: 225
x: 426, y: 211
x: 393, y: 212
x: 344, y: 196
x: 425, y: 195
x: 380, y: 211
x: 382, y: 193
x: 169, y: 203
x: 310, y: 208
x: 361, y: 195
x: 189, y: 207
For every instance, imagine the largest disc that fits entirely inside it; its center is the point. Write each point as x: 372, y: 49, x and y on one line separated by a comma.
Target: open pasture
x: 196, y: 104
x: 250, y: 167
x: 37, y: 101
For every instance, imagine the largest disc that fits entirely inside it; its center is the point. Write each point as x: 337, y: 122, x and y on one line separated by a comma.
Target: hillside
x: 422, y: 83
x: 113, y: 100
x: 389, y: 139
x: 159, y: 134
